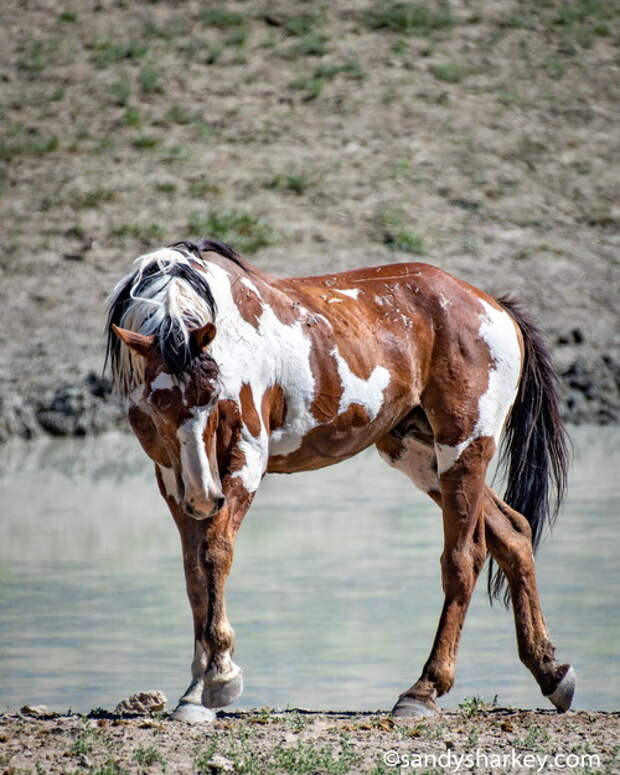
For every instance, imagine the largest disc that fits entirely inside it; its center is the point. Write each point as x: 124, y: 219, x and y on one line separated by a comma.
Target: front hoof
x: 192, y: 713
x: 217, y: 694
x: 411, y: 707
x: 562, y: 695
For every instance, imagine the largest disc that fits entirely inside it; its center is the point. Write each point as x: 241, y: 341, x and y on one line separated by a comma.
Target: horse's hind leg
x: 509, y: 540
x: 459, y: 491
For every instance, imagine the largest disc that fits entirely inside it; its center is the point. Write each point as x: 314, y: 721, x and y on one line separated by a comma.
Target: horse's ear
x: 139, y: 343
x: 203, y: 336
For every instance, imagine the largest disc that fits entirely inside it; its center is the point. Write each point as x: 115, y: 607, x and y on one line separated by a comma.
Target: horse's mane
x: 166, y: 296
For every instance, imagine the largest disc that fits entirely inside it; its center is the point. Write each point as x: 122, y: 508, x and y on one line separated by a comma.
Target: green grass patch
x: 131, y: 117
x: 300, y: 24
x: 165, y: 186
x: 19, y: 141
x: 120, y: 93
x: 202, y: 187
x: 221, y: 17
x: 67, y: 17
x: 151, y: 81
x: 312, y: 85
x: 179, y: 114
x: 314, y: 44
x: 109, y: 52
x: 451, y: 72
x: 145, y: 232
x: 147, y: 756
x: 244, y: 231
x: 144, y: 142
x: 296, y: 182
x: 37, y: 56
x: 408, y: 18
x: 397, y: 235
x: 90, y: 199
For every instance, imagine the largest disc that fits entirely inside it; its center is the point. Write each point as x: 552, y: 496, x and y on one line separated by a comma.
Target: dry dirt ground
x: 480, y: 136
x: 294, y: 742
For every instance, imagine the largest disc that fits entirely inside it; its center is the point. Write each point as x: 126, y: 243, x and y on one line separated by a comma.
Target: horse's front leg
x: 461, y: 500
x: 207, y: 547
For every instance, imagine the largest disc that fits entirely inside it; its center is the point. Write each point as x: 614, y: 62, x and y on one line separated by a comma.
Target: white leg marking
x: 417, y: 461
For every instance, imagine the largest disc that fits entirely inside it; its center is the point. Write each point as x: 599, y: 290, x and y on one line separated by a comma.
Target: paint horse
x: 232, y: 373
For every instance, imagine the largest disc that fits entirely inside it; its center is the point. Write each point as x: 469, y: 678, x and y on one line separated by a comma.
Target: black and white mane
x: 167, y: 296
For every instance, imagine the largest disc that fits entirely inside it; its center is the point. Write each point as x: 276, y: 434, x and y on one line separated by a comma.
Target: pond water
x: 334, y: 596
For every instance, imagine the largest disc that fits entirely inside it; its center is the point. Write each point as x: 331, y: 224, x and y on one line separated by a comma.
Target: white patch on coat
x: 417, y: 461
x: 352, y: 292
x: 444, y: 301
x: 498, y: 331
x: 366, y: 392
x: 273, y: 353
x: 162, y: 381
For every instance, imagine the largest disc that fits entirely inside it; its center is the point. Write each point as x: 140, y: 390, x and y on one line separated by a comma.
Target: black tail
x: 535, y: 450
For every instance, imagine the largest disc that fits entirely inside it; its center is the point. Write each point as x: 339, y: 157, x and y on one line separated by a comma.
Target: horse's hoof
x: 410, y: 707
x: 562, y: 696
x: 192, y: 713
x: 217, y: 694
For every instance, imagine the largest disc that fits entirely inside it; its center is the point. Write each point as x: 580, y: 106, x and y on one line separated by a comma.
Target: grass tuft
x: 407, y: 18
x: 451, y: 72
x: 244, y: 231
x: 221, y: 17
x: 397, y: 235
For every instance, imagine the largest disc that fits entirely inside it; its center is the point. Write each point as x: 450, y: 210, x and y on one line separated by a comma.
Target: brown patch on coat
x: 248, y: 303
x: 248, y: 410
x: 230, y: 458
x: 273, y: 408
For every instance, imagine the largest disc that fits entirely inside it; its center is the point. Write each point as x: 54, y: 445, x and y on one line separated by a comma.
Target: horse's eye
x: 162, y: 399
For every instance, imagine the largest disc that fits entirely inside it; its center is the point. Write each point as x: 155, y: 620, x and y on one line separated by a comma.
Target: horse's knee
x: 459, y: 570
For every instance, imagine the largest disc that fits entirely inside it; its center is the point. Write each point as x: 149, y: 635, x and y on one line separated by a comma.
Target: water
x: 334, y: 595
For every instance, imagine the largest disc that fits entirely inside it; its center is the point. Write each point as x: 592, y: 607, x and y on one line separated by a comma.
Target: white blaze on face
x: 498, y: 331
x: 352, y: 292
x: 195, y: 468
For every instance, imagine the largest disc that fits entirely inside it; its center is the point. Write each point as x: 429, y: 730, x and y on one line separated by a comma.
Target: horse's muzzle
x: 209, y: 509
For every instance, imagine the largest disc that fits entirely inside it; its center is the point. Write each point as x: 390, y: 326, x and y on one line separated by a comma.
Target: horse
x: 231, y: 373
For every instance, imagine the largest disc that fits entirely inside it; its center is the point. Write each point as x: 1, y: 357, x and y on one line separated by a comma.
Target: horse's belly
x: 328, y: 443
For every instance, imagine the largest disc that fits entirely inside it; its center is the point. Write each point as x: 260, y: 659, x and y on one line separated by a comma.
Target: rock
x: 219, y: 763
x: 142, y: 703
x: 35, y: 710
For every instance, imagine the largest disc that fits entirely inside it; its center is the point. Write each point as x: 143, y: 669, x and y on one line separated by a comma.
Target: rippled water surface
x: 335, y: 592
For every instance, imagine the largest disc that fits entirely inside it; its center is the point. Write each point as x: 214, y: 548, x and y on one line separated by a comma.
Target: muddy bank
x: 478, y: 137
x: 299, y: 742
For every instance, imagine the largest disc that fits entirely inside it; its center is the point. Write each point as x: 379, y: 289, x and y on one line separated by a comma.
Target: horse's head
x: 174, y: 417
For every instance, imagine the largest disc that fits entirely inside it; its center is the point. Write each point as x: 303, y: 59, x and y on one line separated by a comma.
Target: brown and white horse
x: 231, y: 373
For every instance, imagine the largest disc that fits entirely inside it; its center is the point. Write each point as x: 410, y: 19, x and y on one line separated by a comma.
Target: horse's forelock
x: 166, y: 296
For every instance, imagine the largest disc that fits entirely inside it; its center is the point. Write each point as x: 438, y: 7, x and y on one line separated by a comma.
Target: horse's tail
x: 535, y: 449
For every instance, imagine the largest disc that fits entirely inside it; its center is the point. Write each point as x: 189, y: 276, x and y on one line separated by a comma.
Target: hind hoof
x: 217, y: 694
x: 192, y: 713
x: 562, y: 696
x: 410, y: 707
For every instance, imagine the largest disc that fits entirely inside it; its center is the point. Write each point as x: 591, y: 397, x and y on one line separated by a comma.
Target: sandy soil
x: 266, y: 742
x: 482, y: 137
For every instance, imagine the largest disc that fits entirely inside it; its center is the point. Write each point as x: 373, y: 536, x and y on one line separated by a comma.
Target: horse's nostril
x: 219, y: 502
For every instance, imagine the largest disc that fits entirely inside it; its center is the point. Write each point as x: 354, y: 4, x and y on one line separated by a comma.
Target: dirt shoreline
x: 271, y: 742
